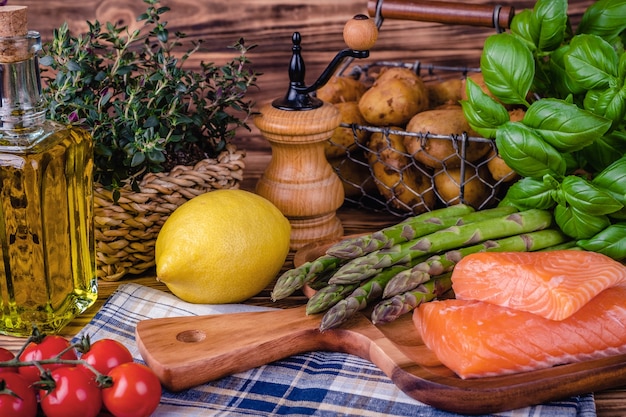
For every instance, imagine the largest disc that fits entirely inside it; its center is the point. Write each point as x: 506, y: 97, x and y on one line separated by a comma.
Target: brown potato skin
x: 340, y: 89
x: 345, y: 138
x: 475, y: 191
x: 437, y: 153
x: 396, y: 96
x: 403, y: 185
x: 356, y: 177
x: 444, y: 92
x: 499, y: 170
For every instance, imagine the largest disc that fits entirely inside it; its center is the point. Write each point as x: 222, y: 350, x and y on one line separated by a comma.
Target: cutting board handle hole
x: 191, y: 336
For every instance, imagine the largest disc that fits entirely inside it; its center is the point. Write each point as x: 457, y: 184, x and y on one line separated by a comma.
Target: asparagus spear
x: 453, y: 237
x: 409, y: 279
x: 392, y: 308
x: 328, y: 296
x: 409, y: 229
x: 295, y: 278
x: 359, y: 298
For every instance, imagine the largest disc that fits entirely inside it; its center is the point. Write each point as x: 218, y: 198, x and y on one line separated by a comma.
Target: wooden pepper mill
x: 299, y: 180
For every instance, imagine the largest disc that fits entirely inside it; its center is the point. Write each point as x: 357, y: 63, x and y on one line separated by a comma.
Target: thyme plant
x: 145, y: 110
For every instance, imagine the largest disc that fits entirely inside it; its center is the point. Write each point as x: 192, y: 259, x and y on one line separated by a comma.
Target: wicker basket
x: 126, y: 230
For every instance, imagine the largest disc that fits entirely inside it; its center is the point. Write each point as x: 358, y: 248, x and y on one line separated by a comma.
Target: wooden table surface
x: 609, y: 403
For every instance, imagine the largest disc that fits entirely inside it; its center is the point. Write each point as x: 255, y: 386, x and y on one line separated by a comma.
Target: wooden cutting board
x: 187, y: 351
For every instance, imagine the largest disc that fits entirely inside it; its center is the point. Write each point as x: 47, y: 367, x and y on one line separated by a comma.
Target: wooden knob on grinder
x: 360, y: 33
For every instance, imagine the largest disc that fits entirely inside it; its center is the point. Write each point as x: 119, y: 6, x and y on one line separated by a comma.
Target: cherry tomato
x: 5, y: 356
x: 136, y: 391
x: 106, y: 354
x: 74, y: 394
x: 50, y: 346
x: 17, y: 399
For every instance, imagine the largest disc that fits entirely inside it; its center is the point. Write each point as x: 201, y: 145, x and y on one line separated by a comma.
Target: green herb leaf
x: 604, y: 151
x: 609, y: 103
x: 591, y: 62
x: 611, y: 241
x: 527, y: 153
x: 524, y: 26
x: 578, y: 224
x: 604, y: 18
x: 587, y: 197
x: 528, y: 193
x: 482, y: 112
x: 563, y: 125
x: 508, y: 68
x: 550, y: 16
x: 613, y: 179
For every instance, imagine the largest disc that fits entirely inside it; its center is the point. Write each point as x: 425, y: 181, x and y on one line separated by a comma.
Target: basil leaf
x: 564, y: 125
x: 528, y: 193
x: 560, y: 81
x: 578, y: 224
x: 525, y: 152
x: 482, y: 112
x: 613, y: 179
x: 604, y: 18
x: 611, y: 242
x: 609, y: 103
x: 508, y: 68
x: 604, y: 151
x: 526, y: 28
x: 591, y: 62
x: 587, y: 197
x: 551, y: 18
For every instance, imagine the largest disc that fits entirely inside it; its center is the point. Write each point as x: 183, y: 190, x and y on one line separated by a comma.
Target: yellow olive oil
x: 47, y: 249
x: 46, y: 234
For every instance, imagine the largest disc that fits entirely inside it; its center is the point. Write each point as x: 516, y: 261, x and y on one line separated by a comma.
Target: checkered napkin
x: 311, y: 384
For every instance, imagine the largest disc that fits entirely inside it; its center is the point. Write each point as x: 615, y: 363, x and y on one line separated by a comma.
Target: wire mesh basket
x: 405, y: 171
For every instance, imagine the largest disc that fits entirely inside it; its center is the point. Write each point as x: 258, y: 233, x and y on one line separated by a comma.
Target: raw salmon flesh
x: 552, y: 284
x: 479, y: 339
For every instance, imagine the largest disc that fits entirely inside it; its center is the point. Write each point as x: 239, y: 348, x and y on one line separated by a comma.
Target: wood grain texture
x: 270, y: 24
x: 187, y: 351
x: 299, y: 180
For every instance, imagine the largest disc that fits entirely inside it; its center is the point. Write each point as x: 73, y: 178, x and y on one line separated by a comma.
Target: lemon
x: 220, y: 247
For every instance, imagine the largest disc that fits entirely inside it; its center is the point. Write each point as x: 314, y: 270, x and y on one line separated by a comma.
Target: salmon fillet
x: 551, y: 284
x: 479, y: 339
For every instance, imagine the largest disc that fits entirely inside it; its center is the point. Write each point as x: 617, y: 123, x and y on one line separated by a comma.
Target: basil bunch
x: 570, y: 146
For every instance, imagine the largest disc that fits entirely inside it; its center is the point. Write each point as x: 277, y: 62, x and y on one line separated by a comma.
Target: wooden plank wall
x: 270, y: 24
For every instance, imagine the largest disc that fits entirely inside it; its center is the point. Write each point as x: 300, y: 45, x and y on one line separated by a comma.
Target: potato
x: 340, y: 89
x: 476, y: 189
x: 355, y: 175
x: 444, y: 92
x: 396, y: 96
x: 437, y: 153
x: 345, y: 138
x: 403, y: 185
x: 499, y: 170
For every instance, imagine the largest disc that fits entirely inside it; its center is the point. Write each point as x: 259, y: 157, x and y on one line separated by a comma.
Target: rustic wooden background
x: 270, y: 24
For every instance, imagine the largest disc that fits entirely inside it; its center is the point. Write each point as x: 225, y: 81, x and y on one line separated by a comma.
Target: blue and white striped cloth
x: 311, y: 384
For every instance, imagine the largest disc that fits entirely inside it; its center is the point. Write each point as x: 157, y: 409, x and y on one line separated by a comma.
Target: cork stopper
x: 13, y: 21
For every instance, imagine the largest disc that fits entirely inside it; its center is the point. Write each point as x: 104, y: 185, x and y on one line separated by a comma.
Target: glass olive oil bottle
x: 48, y: 268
